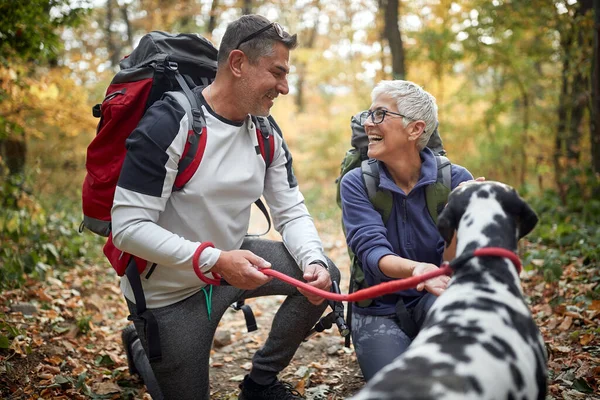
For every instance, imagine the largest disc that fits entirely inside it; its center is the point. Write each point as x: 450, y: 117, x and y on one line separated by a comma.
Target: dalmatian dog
x: 479, y: 340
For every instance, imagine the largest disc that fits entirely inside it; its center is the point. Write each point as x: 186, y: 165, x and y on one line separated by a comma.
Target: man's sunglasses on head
x: 251, y: 36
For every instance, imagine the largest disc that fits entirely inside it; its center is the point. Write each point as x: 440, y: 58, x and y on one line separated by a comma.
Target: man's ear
x: 235, y: 61
x: 447, y: 224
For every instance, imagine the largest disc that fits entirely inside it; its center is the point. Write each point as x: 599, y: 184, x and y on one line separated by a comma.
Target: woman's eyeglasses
x: 377, y: 116
x: 251, y: 36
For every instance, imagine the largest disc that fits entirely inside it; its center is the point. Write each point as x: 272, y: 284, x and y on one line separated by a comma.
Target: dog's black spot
x: 455, y: 306
x: 506, y: 348
x: 468, y: 219
x: 431, y: 317
x: 475, y: 384
x: 499, y: 348
x: 455, y: 339
x: 541, y: 373
x: 417, y: 382
x: 472, y: 246
x: 501, y: 232
x: 494, y: 351
x: 482, y: 194
x: 472, y: 277
x: 517, y: 376
x: 497, y: 268
x: 485, y: 289
x: 414, y: 382
x: 511, y: 396
x: 522, y: 324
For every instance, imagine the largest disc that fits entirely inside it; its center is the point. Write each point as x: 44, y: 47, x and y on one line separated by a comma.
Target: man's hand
x: 435, y: 286
x: 317, y: 276
x: 240, y: 269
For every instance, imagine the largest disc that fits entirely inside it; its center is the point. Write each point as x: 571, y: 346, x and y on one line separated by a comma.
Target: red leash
x: 363, y: 294
x: 385, y: 287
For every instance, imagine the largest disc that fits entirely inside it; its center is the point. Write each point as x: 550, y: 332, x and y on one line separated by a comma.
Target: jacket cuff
x: 321, y: 263
x: 209, y: 258
x: 373, y: 261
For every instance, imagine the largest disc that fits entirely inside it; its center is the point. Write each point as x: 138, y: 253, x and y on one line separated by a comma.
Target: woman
x: 399, y: 123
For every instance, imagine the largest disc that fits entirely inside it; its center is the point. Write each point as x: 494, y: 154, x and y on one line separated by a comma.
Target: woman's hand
x: 478, y: 179
x: 435, y: 286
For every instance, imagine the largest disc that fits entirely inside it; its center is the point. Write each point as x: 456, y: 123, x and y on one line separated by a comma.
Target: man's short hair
x: 257, y: 47
x: 413, y: 102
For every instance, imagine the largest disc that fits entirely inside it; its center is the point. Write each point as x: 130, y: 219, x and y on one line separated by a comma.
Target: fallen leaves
x: 567, y: 313
x: 60, y: 339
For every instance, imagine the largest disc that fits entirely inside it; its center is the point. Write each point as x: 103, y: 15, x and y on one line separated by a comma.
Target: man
x: 207, y: 221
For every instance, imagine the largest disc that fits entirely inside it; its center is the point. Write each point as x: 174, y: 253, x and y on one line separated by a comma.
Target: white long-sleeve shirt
x: 153, y: 222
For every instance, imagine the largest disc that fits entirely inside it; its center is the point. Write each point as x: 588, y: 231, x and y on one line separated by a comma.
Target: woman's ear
x: 416, y: 129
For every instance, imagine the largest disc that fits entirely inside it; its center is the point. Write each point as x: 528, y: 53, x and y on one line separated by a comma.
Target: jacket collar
x: 427, y: 177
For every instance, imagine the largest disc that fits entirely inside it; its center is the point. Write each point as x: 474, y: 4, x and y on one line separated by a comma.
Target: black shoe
x: 128, y: 336
x: 276, y: 391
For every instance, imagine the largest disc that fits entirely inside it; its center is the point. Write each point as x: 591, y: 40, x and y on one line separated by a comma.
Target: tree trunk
x: 247, y: 7
x: 111, y: 46
x: 14, y: 153
x: 125, y: 16
x: 595, y: 109
x: 391, y: 29
x: 525, y: 142
x: 561, y: 128
x: 301, y: 66
x: 573, y: 101
x: 212, y: 19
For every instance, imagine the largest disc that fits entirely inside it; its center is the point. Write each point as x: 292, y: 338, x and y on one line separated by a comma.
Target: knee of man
x: 334, y: 272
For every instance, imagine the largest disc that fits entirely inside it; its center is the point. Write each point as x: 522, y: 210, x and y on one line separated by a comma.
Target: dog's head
x: 493, y: 203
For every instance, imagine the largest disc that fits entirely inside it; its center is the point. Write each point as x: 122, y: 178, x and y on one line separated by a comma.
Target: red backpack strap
x: 266, y: 139
x: 196, y: 139
x: 191, y: 158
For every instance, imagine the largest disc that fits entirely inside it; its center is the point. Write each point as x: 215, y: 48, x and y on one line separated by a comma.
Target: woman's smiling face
x: 388, y: 137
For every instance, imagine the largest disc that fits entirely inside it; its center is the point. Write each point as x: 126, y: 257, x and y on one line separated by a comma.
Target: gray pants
x: 186, y: 334
x: 378, y: 339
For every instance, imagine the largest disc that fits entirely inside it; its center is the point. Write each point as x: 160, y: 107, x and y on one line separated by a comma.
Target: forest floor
x: 67, y: 342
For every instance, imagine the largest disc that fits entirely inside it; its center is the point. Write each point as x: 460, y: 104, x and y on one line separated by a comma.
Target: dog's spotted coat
x: 479, y: 340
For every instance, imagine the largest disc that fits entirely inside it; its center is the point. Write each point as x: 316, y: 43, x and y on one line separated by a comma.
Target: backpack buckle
x: 172, y: 65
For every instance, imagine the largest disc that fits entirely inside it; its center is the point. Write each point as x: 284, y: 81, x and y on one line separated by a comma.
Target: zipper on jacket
x: 406, y: 224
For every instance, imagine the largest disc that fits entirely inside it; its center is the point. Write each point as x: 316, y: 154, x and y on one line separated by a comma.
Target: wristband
x: 321, y: 263
x: 198, y: 271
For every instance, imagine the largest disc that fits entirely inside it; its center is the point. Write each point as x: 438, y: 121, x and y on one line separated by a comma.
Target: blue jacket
x: 409, y: 233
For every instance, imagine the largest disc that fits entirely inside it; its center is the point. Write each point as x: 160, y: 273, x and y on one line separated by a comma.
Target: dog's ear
x: 447, y: 224
x: 527, y: 219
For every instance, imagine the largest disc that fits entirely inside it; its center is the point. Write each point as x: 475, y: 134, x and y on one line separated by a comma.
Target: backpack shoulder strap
x: 196, y: 140
x: 266, y: 147
x: 266, y: 140
x: 436, y: 194
x: 381, y: 199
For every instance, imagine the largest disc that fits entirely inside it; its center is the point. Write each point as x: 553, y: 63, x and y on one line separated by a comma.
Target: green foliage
x: 83, y: 323
x: 569, y: 227
x: 36, y: 238
x: 29, y: 29
x: 7, y: 332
